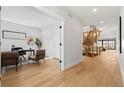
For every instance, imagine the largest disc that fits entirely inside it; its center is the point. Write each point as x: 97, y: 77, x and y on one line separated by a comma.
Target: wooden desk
x: 31, y: 51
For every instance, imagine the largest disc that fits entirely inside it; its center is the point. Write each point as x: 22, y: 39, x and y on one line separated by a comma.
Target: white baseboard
x: 72, y: 64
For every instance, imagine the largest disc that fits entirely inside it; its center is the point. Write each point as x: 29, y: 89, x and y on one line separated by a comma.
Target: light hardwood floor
x: 102, y: 70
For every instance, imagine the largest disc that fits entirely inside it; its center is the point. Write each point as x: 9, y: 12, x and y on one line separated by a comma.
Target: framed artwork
x: 30, y: 40
x: 13, y: 35
x: 120, y: 34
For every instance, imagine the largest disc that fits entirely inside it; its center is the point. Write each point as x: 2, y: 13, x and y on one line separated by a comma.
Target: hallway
x: 102, y: 70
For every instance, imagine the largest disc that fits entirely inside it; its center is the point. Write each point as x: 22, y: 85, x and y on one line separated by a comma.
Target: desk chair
x: 9, y: 58
x: 21, y: 53
x: 40, y: 54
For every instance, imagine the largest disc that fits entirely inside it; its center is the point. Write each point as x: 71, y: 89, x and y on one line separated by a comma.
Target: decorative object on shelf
x: 38, y: 43
x: 30, y: 40
x: 89, y: 41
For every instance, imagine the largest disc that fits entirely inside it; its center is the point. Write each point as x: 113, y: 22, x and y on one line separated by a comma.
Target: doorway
x: 51, y: 39
x: 56, y: 45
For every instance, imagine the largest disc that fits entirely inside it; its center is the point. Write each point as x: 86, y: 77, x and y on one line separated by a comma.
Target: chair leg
x: 28, y: 61
x: 21, y: 61
x: 44, y: 60
x: 24, y: 58
x: 1, y: 70
x: 16, y: 67
x: 6, y: 66
x: 38, y: 63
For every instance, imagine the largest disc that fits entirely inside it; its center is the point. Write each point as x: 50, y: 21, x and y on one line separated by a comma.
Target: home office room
x: 29, y: 43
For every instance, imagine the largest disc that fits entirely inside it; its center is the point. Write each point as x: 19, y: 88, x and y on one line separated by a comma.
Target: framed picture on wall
x: 13, y: 35
x: 30, y: 40
x: 120, y: 34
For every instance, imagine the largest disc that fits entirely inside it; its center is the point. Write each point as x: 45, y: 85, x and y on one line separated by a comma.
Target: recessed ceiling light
x: 94, y: 9
x: 101, y: 22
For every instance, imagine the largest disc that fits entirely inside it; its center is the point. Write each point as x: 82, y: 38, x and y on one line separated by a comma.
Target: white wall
x: 6, y: 43
x: 50, y: 37
x: 72, y: 41
x: 71, y: 52
x: 108, y: 32
x: 121, y: 56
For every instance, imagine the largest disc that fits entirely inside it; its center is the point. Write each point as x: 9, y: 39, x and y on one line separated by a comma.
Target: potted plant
x: 38, y: 43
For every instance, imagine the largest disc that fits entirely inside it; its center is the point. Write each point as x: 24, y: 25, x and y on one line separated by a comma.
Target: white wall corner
x: 72, y: 64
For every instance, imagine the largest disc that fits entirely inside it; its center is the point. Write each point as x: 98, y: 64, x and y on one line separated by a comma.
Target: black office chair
x: 21, y: 53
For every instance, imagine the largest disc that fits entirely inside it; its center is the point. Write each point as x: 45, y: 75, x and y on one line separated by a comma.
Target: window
x: 107, y: 44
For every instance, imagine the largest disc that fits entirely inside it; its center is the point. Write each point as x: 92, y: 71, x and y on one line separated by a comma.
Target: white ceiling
x: 26, y: 15
x: 109, y: 14
x: 32, y: 17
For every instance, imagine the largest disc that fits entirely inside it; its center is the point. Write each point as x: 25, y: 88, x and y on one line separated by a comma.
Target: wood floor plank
x: 102, y: 70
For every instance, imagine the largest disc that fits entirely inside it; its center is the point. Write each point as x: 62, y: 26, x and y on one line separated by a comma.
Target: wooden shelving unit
x: 89, y: 42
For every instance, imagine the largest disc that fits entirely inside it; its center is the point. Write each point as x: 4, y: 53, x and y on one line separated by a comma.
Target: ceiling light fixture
x: 94, y: 10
